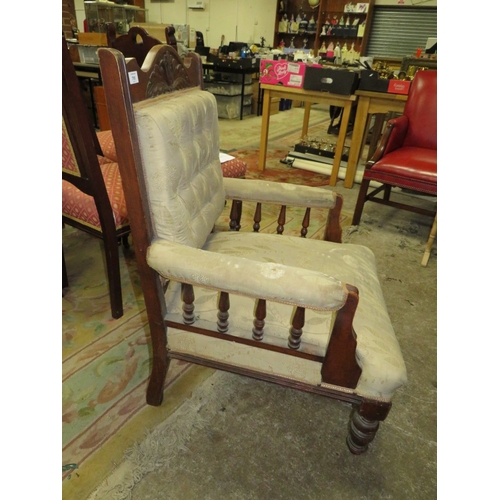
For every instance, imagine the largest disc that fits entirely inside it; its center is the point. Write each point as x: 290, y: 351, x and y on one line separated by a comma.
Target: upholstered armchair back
x: 179, y: 146
x: 421, y: 110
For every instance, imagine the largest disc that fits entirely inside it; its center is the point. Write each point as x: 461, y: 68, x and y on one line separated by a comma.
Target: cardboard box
x: 289, y: 74
x: 93, y: 39
x: 335, y: 81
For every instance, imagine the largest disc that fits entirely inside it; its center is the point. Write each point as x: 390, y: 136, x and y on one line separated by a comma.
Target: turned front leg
x: 364, y: 424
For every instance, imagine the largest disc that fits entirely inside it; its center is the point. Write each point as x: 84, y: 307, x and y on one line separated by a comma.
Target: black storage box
x: 335, y: 81
x: 241, y: 63
x: 370, y: 81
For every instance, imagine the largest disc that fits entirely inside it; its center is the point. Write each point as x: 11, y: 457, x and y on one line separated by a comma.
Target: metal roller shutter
x: 397, y: 32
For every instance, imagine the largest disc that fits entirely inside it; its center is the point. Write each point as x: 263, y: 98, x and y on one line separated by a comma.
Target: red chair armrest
x: 395, y: 140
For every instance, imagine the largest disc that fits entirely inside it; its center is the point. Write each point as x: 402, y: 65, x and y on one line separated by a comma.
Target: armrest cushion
x: 242, y: 276
x: 279, y: 193
x: 398, y: 134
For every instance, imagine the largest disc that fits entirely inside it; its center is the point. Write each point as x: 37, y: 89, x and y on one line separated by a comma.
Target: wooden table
x: 309, y: 97
x: 369, y: 103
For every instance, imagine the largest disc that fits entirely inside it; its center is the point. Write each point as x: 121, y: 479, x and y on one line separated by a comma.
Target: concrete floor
x: 261, y: 441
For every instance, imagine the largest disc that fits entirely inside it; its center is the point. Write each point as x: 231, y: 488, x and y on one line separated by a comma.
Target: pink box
x: 289, y: 74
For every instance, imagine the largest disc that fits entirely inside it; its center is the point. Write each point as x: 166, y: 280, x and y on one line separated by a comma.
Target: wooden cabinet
x: 302, y: 26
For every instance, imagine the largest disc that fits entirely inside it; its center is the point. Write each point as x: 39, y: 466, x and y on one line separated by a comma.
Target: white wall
x: 237, y: 20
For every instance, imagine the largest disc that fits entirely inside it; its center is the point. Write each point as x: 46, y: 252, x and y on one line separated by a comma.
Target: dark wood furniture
x: 82, y: 170
x: 407, y: 154
x: 337, y: 369
x: 136, y: 43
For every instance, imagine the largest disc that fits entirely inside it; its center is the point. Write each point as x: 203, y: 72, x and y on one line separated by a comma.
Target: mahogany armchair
x: 92, y: 194
x: 407, y: 154
x: 305, y: 313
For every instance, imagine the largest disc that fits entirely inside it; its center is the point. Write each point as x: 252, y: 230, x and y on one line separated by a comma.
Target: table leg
x: 340, y: 143
x: 264, y: 133
x: 356, y: 141
x: 307, y: 114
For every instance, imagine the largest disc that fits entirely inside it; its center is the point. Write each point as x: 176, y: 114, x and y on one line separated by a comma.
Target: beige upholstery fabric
x: 378, y: 350
x: 178, y: 137
x: 279, y: 192
x: 183, y: 175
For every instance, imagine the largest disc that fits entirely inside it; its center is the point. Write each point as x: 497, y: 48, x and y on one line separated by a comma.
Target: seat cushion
x: 107, y: 144
x: 378, y: 352
x: 234, y: 168
x: 81, y: 207
x: 407, y: 167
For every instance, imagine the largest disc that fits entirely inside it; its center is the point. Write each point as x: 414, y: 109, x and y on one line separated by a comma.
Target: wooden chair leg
x: 430, y: 242
x: 365, y: 184
x: 364, y: 424
x: 114, y: 279
x: 65, y: 282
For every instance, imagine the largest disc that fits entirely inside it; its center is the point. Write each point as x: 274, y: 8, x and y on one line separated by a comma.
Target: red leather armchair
x: 407, y: 154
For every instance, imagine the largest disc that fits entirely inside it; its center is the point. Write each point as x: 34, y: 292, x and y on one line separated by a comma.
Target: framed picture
x: 362, y: 8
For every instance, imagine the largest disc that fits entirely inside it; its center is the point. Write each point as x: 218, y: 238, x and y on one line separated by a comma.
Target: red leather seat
x: 407, y: 154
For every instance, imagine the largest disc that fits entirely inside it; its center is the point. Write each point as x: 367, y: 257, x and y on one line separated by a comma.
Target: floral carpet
x: 106, y: 361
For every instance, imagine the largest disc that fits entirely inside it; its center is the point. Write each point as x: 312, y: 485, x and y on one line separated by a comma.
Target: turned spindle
x: 187, y: 294
x: 223, y: 314
x: 296, y: 328
x: 305, y: 222
x: 235, y: 215
x: 258, y: 322
x: 257, y: 217
x: 281, y: 220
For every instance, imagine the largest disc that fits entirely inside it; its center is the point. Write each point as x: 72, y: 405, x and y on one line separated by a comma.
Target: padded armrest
x: 398, y: 133
x: 279, y: 193
x: 242, y: 276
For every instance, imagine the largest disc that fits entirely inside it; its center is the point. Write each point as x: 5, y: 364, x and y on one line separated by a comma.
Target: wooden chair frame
x: 86, y: 147
x: 165, y: 72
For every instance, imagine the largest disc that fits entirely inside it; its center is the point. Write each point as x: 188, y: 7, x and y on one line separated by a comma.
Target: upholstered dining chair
x: 406, y: 156
x: 305, y: 313
x: 92, y: 194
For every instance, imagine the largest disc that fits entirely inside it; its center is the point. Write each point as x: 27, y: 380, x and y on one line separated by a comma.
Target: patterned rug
x: 106, y: 362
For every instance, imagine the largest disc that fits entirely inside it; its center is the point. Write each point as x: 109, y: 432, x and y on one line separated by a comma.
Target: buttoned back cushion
x: 81, y: 207
x: 179, y: 146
